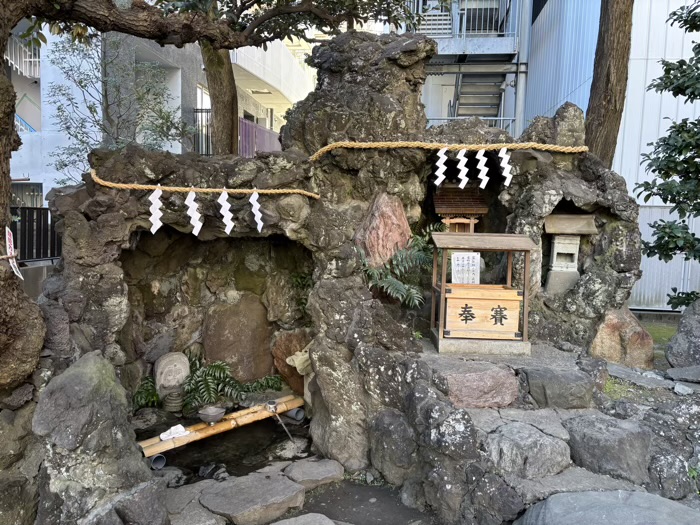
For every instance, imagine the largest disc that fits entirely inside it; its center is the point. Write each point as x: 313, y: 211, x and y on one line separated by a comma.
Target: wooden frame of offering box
x: 480, y: 318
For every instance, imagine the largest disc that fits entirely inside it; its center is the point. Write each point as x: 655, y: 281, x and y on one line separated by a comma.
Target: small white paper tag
x: 10, y: 246
x: 466, y: 267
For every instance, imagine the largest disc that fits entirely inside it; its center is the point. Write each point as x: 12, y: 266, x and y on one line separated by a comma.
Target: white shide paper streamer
x: 256, y: 210
x: 195, y: 216
x: 156, y: 214
x: 226, y: 212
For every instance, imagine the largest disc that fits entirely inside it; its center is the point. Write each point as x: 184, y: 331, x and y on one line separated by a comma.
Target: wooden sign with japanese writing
x: 482, y: 312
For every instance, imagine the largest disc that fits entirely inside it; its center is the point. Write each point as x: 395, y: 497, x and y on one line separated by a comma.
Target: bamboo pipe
x: 221, y: 426
x: 198, y: 426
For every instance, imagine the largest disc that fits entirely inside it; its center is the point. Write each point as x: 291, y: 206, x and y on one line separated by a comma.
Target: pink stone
x: 477, y: 384
x: 384, y: 231
x: 622, y: 339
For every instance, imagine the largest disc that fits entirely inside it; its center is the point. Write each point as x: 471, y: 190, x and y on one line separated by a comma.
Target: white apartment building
x: 269, y: 82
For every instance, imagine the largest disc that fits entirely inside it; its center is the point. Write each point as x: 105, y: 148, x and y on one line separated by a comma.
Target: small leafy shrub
x: 212, y: 383
x: 400, y: 277
x: 146, y: 394
x: 302, y: 284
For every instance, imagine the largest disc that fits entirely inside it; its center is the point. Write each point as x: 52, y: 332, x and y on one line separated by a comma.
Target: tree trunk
x: 22, y: 333
x: 609, y: 85
x: 224, y: 99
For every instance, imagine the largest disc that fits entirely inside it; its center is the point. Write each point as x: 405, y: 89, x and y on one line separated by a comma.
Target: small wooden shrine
x: 470, y: 317
x: 459, y: 208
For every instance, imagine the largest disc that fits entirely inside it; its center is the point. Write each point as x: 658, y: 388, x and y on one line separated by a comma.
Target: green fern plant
x: 399, y: 278
x: 146, y: 394
x: 211, y: 383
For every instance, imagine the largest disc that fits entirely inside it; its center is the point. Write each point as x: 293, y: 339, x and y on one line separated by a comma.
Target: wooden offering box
x: 483, y: 311
x: 480, y: 318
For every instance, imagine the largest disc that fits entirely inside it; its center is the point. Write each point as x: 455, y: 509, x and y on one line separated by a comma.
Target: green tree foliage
x: 262, y: 21
x: 109, y: 100
x: 675, y: 160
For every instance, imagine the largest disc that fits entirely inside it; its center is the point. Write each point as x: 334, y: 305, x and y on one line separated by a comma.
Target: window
x: 203, y: 100
x: 27, y: 194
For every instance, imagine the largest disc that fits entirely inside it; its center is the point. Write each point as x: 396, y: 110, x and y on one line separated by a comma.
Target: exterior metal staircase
x: 23, y: 58
x: 477, y: 95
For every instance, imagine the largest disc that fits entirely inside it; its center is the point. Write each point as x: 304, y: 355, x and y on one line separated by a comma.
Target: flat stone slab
x: 574, y: 479
x: 611, y: 446
x: 307, y: 519
x: 195, y: 514
x: 484, y: 347
x: 312, y: 472
x: 475, y: 384
x: 623, y: 507
x: 177, y: 499
x: 691, y: 374
x: 627, y: 374
x: 551, y: 387
x: 485, y: 419
x: 695, y: 387
x: 546, y: 420
x: 521, y: 450
x: 541, y: 355
x: 255, y: 499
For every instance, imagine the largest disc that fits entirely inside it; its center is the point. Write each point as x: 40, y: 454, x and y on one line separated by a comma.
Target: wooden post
x: 433, y: 291
x: 443, y: 294
x: 509, y: 276
x: 526, y: 293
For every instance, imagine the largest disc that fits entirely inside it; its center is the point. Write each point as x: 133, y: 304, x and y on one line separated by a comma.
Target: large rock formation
x: 684, y: 347
x: 622, y: 339
x: 132, y: 296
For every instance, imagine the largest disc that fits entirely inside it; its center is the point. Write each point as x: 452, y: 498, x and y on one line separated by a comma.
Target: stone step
x: 307, y: 519
x: 595, y: 506
x: 491, y: 382
x: 255, y: 499
x: 574, y: 479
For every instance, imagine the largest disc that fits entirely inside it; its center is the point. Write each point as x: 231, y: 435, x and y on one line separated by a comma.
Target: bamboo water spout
x: 199, y: 431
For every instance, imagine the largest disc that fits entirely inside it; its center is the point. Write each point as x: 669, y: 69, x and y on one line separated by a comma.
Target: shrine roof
x: 495, y: 242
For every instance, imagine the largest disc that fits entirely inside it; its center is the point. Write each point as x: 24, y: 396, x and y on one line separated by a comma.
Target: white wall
x: 646, y: 113
x: 278, y: 67
x: 563, y: 45
x: 33, y: 159
x: 28, y: 105
x: 438, y: 92
x: 562, y: 51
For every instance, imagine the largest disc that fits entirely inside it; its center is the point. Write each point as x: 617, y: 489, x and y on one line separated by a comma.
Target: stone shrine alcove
x: 224, y: 299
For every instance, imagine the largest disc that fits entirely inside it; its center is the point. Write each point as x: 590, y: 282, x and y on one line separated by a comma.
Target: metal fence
x: 22, y: 126
x: 254, y: 138
x: 202, y: 132
x: 23, y: 58
x: 35, y: 234
x: 251, y: 136
x: 466, y: 18
x: 504, y: 123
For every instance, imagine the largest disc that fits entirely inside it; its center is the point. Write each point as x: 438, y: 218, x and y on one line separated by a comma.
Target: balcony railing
x: 504, y: 123
x: 23, y: 58
x: 251, y: 136
x: 22, y: 126
x: 467, y: 18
